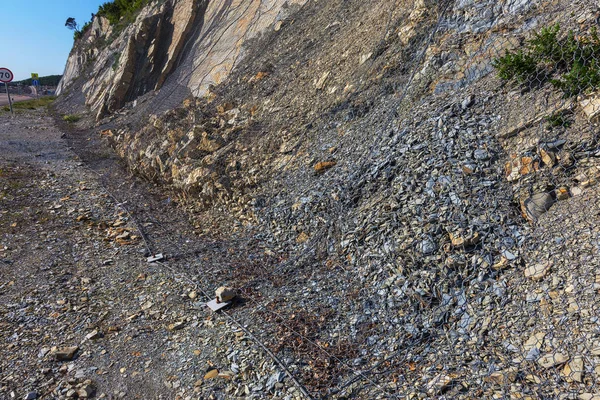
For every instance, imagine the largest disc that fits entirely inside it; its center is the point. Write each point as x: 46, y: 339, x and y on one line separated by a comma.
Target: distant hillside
x: 51, y: 80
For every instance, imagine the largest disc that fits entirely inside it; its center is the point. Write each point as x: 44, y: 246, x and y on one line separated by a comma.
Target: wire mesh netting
x: 456, y: 257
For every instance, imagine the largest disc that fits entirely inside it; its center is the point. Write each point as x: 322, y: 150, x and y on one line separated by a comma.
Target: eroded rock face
x: 476, y: 16
x: 197, y: 41
x: 119, y: 68
x: 228, y: 25
x: 78, y: 58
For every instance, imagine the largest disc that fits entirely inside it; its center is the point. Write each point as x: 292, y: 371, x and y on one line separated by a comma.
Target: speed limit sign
x: 6, y: 75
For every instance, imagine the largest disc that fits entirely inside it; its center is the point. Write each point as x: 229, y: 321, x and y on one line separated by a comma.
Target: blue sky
x: 34, y: 37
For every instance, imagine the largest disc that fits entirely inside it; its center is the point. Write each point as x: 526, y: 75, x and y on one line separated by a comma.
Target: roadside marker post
x: 7, y: 76
x: 36, y: 84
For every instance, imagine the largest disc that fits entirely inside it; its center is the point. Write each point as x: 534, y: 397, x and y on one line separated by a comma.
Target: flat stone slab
x: 213, y: 305
x: 155, y: 258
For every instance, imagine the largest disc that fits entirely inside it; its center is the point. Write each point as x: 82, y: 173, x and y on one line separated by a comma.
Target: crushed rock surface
x: 82, y: 314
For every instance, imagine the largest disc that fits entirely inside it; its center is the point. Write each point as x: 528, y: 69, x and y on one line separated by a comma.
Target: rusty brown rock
x: 323, y: 166
x: 302, y: 238
x: 548, y: 157
x: 562, y: 193
x: 209, y: 143
x: 460, y: 240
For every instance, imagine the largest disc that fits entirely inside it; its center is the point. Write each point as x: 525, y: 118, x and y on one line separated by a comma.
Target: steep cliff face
x: 198, y: 43
x: 373, y: 146
x: 203, y: 39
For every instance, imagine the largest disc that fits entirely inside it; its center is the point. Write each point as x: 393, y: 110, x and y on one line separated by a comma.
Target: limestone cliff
x: 194, y: 42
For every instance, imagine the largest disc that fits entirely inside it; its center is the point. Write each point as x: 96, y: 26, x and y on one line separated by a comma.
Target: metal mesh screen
x: 457, y: 258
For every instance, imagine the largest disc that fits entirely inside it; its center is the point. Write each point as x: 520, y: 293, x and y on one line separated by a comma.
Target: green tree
x: 72, y: 24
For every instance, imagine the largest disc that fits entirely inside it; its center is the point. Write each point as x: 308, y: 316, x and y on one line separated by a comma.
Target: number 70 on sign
x: 6, y: 75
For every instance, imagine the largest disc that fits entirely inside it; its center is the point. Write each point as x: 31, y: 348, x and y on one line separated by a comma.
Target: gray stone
x: 538, y: 204
x: 65, y: 353
x: 468, y: 102
x: 481, y: 155
x: 274, y: 379
x: 427, y: 246
x: 533, y: 354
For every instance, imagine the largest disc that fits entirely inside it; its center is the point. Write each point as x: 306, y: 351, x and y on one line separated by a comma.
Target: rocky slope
x: 82, y: 314
x: 423, y: 226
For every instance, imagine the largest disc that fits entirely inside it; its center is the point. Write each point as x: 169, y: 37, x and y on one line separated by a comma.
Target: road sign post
x: 36, y: 83
x: 7, y: 76
x: 9, y: 99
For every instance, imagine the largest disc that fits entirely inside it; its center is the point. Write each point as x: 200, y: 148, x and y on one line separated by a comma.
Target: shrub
x: 117, y: 9
x: 71, y: 118
x: 78, y: 34
x: 558, y: 119
x: 546, y: 46
x: 569, y: 61
x: 518, y: 66
x: 32, y: 104
x: 579, y: 79
x: 50, y: 80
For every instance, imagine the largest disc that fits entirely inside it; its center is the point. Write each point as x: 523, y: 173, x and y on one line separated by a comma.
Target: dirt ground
x: 75, y: 233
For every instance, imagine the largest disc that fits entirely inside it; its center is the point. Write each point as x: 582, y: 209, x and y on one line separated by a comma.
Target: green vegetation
x: 559, y: 119
x: 71, y: 118
x: 517, y: 66
x: 79, y: 34
x: 117, y: 9
x: 72, y: 24
x: 32, y: 104
x: 118, y: 12
x: 569, y: 62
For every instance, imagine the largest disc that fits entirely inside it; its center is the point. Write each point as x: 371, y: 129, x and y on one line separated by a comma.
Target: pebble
x: 481, y: 155
x: 538, y: 204
x: 427, y: 246
x: 538, y: 271
x: 95, y: 334
x: 66, y: 353
x: 274, y: 379
x: 225, y: 294
x: 552, y: 359
x: 573, y: 370
x: 86, y: 392
x: 438, y: 383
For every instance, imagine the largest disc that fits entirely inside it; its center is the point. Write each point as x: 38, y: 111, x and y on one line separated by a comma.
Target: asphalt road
x: 15, y: 97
